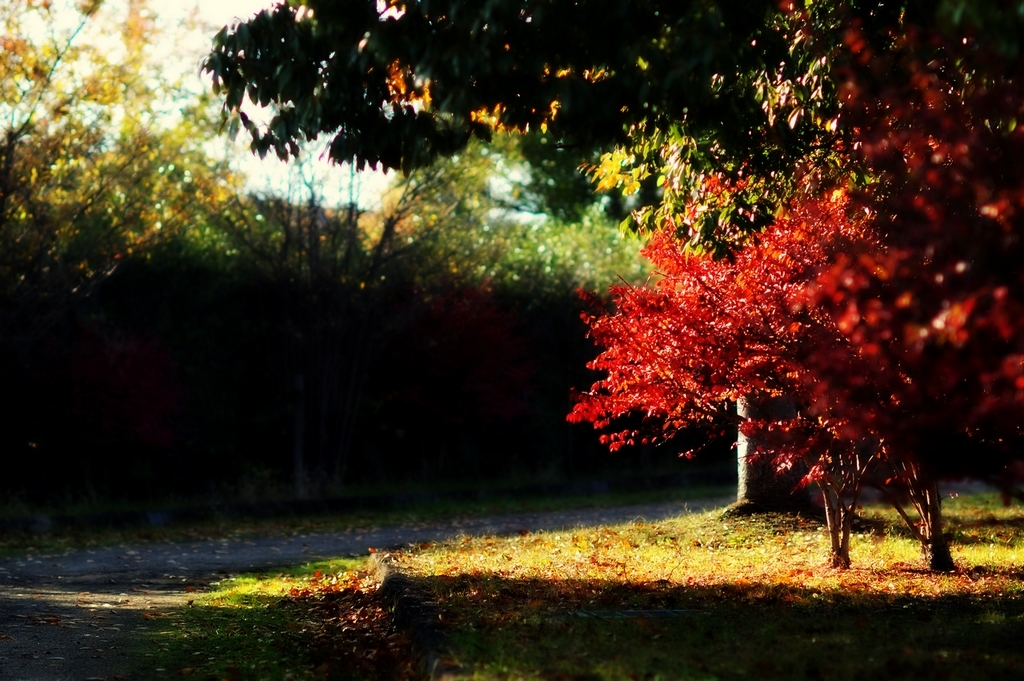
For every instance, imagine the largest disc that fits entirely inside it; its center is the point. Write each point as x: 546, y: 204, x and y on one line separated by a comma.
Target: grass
x: 88, y: 537
x: 759, y: 602
x: 755, y: 601
x: 319, y: 621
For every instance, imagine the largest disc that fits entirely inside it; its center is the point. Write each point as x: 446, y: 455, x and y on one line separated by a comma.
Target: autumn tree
x: 713, y: 332
x: 938, y: 309
x: 930, y: 301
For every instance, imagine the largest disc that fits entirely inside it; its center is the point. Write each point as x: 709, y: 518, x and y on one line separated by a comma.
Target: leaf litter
x: 323, y: 625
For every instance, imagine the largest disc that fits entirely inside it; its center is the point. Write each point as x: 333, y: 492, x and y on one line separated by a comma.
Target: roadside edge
x: 413, y: 611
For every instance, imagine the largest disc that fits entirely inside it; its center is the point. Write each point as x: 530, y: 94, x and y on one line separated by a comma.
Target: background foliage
x: 156, y: 311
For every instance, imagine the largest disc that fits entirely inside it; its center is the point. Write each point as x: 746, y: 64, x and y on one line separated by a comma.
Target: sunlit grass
x: 318, y: 621
x: 238, y: 628
x: 763, y: 605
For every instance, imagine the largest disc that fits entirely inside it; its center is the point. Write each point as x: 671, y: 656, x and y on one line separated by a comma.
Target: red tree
x: 712, y: 332
x: 900, y: 334
x: 124, y: 389
x: 939, y: 307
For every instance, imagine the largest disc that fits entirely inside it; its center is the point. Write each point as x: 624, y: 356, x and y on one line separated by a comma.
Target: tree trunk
x: 838, y: 528
x: 761, y: 487
x: 298, y: 437
x: 933, y: 540
x: 924, y: 494
x: 840, y: 510
x: 351, y: 395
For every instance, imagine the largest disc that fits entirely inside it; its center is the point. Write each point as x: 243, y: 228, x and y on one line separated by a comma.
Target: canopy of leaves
x: 688, y: 89
x: 939, y: 308
x: 398, y: 85
x: 714, y: 331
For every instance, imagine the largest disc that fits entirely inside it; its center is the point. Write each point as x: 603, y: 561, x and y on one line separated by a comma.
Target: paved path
x: 71, y: 616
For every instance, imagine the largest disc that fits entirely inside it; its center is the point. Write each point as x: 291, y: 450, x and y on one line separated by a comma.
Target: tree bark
x: 923, y: 489
x: 838, y: 524
x: 761, y: 488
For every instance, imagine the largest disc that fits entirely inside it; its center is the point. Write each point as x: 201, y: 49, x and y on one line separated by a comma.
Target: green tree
x: 92, y: 168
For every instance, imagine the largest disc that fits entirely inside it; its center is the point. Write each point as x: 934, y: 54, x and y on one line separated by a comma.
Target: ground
x: 74, y: 615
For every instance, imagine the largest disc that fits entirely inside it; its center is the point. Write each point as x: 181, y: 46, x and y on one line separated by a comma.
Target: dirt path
x: 72, y: 616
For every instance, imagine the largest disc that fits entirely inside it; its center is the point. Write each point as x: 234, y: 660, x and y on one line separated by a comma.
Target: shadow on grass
x: 509, y: 629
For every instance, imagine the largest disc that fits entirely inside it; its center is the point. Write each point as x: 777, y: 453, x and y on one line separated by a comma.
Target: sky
x: 185, y: 32
x: 222, y: 12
